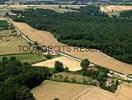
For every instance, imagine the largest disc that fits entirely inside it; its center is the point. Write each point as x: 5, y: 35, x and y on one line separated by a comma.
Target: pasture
x: 27, y: 57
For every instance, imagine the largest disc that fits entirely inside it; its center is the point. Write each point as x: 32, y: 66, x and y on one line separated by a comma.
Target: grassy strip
x: 26, y: 57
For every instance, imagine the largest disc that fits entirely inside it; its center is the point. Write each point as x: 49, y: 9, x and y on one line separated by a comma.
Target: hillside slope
x: 95, y: 56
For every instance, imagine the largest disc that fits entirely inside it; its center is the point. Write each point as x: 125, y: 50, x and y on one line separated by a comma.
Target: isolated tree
x: 66, y: 69
x: 48, y: 56
x: 59, y: 67
x: 84, y: 64
x: 36, y: 43
x: 5, y: 60
x: 56, y: 99
x: 59, y: 6
x: 12, y: 59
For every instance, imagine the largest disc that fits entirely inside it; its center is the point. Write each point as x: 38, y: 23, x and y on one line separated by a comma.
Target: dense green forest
x: 88, y: 28
x: 16, y: 79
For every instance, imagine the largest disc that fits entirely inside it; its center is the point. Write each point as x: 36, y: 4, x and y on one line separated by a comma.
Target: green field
x: 4, y: 24
x: 73, y: 78
x: 28, y: 57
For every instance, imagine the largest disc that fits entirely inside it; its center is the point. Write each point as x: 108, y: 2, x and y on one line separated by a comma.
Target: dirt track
x: 46, y: 38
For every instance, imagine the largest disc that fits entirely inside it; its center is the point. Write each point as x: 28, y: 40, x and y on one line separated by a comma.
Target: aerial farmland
x: 65, y: 51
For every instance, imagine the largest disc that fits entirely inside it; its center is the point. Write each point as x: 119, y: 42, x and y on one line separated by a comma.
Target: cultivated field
x: 123, y: 93
x: 95, y: 56
x: 9, y: 44
x: 51, y: 7
x: 111, y: 8
x: 73, y: 65
x: 49, y: 90
x: 67, y: 91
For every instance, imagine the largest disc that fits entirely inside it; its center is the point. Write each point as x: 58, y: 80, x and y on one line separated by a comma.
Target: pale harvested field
x: 93, y: 93
x: 73, y: 65
x: 111, y: 8
x: 9, y: 44
x: 43, y: 37
x: 51, y: 7
x: 49, y: 90
x: 95, y: 56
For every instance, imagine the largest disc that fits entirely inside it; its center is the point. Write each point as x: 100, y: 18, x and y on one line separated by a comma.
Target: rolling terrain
x: 35, y: 76
x: 97, y: 57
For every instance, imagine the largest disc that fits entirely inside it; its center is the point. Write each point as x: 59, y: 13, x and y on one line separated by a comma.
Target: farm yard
x: 68, y: 91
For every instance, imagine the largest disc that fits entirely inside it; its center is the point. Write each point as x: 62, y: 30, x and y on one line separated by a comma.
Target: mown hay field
x: 49, y: 90
x: 10, y: 44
